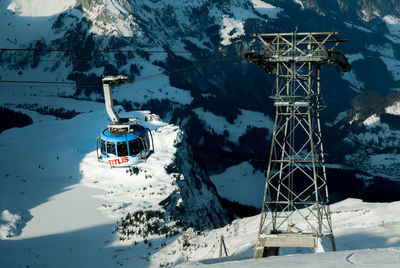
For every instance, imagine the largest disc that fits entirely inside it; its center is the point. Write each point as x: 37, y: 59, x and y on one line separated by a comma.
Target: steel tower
x: 295, y: 211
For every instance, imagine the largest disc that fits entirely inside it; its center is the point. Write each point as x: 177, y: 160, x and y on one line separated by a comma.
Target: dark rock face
x: 196, y: 204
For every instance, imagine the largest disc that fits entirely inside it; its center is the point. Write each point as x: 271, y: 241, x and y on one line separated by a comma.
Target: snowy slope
x: 356, y: 225
x: 354, y: 258
x: 39, y: 8
x: 380, y: 141
x: 246, y: 119
x: 220, y: 30
x: 60, y: 206
x: 241, y: 183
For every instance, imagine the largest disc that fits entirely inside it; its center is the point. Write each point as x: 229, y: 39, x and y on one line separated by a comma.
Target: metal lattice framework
x: 295, y: 209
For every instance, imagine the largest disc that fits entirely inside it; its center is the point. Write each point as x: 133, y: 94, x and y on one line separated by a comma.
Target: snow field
x: 376, y: 136
x: 266, y: 9
x: 357, y: 225
x: 53, y: 190
x: 60, y: 207
x: 355, y: 258
x: 40, y: 8
x: 393, y: 25
x: 338, y: 118
x: 393, y: 109
x: 388, y: 56
x: 361, y: 28
x: 8, y: 224
x: 232, y: 182
x: 244, y: 120
x: 230, y: 29
x: 124, y: 192
x: 372, y: 121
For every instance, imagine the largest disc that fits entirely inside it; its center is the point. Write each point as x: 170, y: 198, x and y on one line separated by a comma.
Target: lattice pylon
x: 295, y: 211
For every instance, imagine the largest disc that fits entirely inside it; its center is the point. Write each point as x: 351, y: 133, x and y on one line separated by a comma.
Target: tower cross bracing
x: 295, y: 211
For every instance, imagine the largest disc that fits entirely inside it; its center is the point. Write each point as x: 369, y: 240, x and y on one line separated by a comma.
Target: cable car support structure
x: 295, y: 210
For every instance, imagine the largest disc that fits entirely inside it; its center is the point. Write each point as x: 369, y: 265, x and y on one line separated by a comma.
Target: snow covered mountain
x: 185, y: 58
x: 59, y: 207
x: 53, y: 186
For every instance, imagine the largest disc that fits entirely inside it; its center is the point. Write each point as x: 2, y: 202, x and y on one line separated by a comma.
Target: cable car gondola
x: 123, y: 143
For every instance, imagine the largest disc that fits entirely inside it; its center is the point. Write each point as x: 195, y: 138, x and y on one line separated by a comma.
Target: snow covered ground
x: 57, y: 214
x: 241, y: 183
x: 59, y: 206
x: 393, y: 25
x: 352, y: 258
x: 376, y: 137
x: 35, y: 8
x: 367, y: 235
x: 246, y: 119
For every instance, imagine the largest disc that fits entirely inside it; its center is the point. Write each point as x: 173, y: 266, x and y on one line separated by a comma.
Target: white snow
x: 230, y: 29
x: 300, y: 3
x: 354, y: 57
x: 361, y: 28
x: 393, y: 66
x: 385, y: 50
x: 377, y: 137
x: 123, y: 22
x: 372, y: 121
x: 389, y: 58
x: 9, y: 224
x: 393, y: 25
x: 386, y: 160
x: 239, y: 127
x: 336, y: 166
x: 365, y: 233
x: 157, y: 88
x: 232, y: 24
x: 18, y: 31
x: 232, y: 182
x: 355, y: 84
x: 351, y: 77
x: 354, y: 258
x: 40, y: 8
x: 67, y: 203
x: 134, y: 192
x: 59, y: 207
x: 393, y: 109
x: 266, y: 9
x: 339, y: 117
